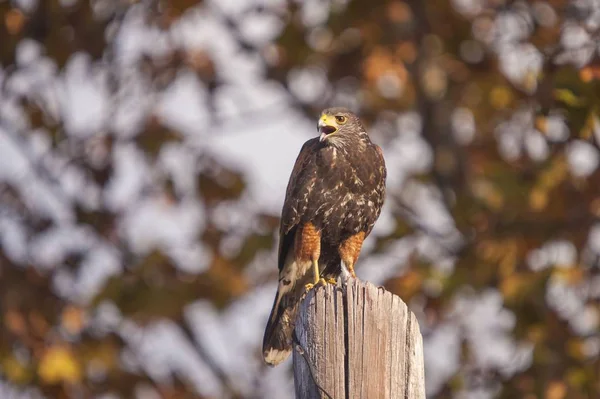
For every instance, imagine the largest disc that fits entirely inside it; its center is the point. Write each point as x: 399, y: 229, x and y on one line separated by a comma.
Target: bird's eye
x: 340, y: 119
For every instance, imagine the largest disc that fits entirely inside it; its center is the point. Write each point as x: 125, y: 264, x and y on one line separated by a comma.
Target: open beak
x: 326, y: 127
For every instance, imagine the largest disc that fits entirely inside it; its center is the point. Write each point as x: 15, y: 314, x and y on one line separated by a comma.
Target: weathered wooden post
x: 357, y: 341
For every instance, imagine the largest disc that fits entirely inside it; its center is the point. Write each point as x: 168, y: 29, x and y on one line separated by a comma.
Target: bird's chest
x: 345, y: 196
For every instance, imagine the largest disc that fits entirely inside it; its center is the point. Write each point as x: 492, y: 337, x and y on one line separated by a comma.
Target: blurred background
x: 145, y: 147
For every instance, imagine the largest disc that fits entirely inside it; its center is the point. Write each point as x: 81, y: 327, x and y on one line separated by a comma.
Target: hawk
x: 333, y: 198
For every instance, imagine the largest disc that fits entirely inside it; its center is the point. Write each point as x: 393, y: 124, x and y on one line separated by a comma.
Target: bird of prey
x: 333, y: 198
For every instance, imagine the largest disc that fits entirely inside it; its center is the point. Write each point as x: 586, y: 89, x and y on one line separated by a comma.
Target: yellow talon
x: 321, y: 281
x: 316, y: 276
x: 331, y: 280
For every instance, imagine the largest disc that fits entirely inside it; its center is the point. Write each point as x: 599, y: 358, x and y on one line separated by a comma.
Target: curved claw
x: 320, y: 281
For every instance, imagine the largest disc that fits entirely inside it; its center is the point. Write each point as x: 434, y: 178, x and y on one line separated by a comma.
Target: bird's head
x: 339, y: 126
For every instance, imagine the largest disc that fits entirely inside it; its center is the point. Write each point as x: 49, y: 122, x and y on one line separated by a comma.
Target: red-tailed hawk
x: 333, y: 199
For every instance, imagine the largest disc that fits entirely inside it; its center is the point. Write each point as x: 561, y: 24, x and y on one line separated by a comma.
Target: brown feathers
x: 334, y: 196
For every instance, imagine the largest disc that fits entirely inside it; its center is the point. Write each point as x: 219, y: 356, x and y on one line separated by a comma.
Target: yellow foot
x: 321, y: 281
x: 331, y: 280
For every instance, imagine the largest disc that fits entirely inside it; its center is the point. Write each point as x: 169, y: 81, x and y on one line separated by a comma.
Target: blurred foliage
x: 508, y: 98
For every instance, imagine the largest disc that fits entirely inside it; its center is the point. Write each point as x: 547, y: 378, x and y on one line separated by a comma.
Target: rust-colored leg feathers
x: 349, y: 251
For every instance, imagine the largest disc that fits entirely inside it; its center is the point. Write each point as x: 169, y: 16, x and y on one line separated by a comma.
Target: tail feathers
x: 275, y: 356
x: 277, y: 342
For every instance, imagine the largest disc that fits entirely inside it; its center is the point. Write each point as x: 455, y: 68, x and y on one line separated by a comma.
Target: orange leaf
x: 73, y: 319
x: 556, y: 390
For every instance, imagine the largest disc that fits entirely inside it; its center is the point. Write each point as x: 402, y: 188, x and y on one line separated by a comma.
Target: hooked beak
x: 326, y: 127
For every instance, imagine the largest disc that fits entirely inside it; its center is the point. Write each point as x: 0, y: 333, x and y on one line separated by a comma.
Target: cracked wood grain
x: 357, y: 341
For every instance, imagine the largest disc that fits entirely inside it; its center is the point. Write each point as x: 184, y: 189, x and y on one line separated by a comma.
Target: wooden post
x: 357, y: 341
